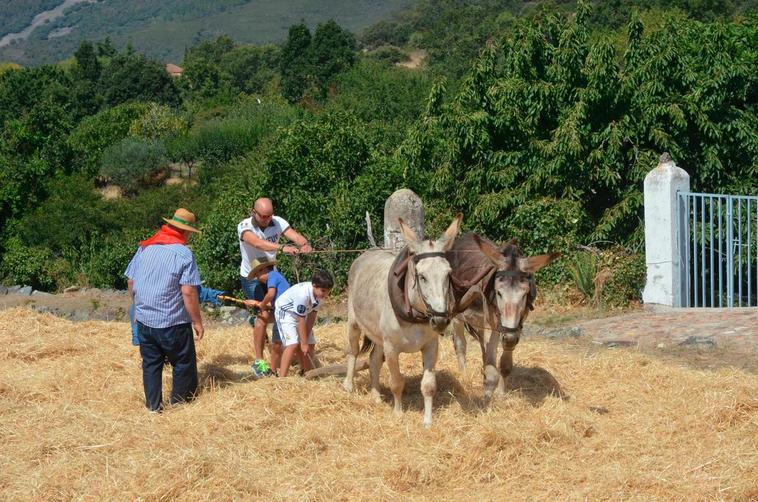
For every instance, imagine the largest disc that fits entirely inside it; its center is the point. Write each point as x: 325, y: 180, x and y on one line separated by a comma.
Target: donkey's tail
x: 367, y: 345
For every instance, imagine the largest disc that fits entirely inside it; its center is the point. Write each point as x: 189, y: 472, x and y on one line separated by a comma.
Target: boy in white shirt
x: 296, y: 311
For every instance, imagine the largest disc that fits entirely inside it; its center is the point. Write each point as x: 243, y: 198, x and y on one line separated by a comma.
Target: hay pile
x: 72, y: 425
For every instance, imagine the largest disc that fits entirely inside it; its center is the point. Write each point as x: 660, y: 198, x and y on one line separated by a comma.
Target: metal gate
x: 718, y: 249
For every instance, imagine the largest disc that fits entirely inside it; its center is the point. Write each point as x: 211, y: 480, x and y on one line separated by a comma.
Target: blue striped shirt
x: 159, y: 271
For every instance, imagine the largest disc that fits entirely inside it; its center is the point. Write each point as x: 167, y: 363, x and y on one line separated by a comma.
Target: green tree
x: 295, y: 63
x: 86, y: 76
x: 133, y: 77
x: 97, y: 132
x: 87, y: 66
x: 332, y: 51
x: 554, y: 112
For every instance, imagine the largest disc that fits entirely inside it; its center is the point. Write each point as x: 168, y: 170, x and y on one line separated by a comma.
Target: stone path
x: 736, y: 329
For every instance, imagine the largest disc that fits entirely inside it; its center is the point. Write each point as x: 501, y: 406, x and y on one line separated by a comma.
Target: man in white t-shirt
x: 296, y: 311
x: 259, y: 240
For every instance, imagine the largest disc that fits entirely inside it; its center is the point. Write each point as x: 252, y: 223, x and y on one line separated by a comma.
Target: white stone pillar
x: 407, y: 205
x: 663, y: 284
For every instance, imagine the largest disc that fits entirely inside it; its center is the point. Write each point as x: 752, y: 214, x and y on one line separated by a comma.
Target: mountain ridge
x: 165, y: 29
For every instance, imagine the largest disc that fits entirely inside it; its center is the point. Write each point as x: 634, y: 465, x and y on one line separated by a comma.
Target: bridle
x: 430, y: 312
x: 502, y: 330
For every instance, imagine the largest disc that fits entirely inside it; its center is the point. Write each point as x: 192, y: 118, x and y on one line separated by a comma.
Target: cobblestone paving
x: 736, y: 329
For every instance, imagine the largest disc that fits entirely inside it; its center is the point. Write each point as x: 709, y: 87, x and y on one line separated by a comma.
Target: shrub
x: 547, y: 225
x: 583, y: 270
x: 131, y: 162
x: 107, y: 258
x: 97, y: 132
x: 388, y: 54
x: 626, y: 278
x: 158, y: 122
x: 28, y: 265
x: 72, y: 204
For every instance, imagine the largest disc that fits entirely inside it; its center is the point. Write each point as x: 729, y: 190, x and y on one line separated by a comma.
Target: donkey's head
x: 513, y: 286
x: 428, y: 278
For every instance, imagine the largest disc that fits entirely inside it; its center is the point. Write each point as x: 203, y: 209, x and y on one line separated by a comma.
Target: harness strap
x: 432, y: 254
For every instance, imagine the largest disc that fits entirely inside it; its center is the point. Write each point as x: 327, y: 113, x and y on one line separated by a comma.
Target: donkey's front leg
x: 491, y: 373
x: 375, y: 367
x: 506, y: 361
x: 396, y: 378
x: 353, y: 338
x: 459, y: 342
x: 429, y: 380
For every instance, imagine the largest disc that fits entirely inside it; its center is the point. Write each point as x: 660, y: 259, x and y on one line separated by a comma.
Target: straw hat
x: 183, y: 220
x: 257, y: 265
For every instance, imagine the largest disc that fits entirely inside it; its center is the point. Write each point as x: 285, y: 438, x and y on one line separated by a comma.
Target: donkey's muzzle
x: 509, y: 336
x: 439, y: 323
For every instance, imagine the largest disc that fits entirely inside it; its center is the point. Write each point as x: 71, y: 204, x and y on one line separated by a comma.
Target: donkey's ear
x: 448, y: 238
x: 411, y: 239
x: 534, y: 263
x: 489, y: 250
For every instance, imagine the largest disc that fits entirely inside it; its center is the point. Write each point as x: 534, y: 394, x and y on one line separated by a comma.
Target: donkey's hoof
x: 348, y: 386
x: 376, y: 396
x: 427, y: 423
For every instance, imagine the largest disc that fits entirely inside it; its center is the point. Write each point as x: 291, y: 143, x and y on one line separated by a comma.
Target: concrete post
x: 407, y: 205
x: 663, y: 284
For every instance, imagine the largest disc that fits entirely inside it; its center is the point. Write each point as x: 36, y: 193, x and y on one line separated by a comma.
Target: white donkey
x: 411, y: 320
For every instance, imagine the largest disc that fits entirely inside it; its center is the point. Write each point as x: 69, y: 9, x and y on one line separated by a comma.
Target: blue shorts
x: 253, y: 289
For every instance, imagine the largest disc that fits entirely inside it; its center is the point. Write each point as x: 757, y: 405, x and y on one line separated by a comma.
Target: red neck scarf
x: 166, y: 235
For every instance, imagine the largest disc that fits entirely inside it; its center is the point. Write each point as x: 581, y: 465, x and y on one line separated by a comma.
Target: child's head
x: 322, y: 284
x: 260, y: 270
x: 262, y: 273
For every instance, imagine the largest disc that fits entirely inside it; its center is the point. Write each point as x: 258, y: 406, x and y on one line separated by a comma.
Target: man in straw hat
x: 275, y: 284
x: 259, y: 240
x: 163, y: 282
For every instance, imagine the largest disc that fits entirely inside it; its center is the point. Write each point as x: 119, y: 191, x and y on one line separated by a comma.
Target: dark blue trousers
x: 176, y: 345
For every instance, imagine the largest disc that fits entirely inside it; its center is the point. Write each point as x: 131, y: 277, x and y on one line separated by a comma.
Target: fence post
x: 664, y: 275
x: 407, y: 205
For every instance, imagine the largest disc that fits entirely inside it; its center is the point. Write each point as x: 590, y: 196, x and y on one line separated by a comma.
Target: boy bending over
x: 296, y: 312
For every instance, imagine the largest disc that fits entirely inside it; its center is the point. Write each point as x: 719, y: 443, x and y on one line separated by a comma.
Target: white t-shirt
x: 271, y: 233
x: 298, y: 301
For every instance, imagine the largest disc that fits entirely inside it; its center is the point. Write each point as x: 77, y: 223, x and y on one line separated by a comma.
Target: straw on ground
x: 608, y: 425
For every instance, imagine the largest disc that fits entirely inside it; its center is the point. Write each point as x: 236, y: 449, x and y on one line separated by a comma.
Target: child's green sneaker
x: 261, y: 368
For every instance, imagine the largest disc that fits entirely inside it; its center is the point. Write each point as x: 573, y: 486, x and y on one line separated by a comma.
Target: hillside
x: 164, y: 30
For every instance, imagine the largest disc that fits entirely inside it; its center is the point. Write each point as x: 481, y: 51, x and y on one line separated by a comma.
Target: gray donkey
x: 494, y: 290
x: 401, y: 304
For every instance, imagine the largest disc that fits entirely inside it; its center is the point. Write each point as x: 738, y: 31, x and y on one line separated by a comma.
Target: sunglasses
x: 263, y: 216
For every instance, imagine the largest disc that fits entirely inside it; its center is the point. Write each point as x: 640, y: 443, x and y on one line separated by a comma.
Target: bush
x: 27, y: 265
x: 69, y: 218
x: 107, y: 258
x: 626, y: 278
x: 97, y: 132
x: 158, y: 122
x: 131, y: 163
x: 388, y: 54
x: 583, y: 270
x: 548, y: 225
x: 374, y: 91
